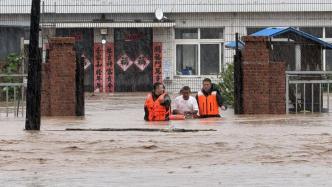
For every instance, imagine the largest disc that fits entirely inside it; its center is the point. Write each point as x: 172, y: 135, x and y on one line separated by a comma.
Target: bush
x: 12, y: 66
x: 226, y: 85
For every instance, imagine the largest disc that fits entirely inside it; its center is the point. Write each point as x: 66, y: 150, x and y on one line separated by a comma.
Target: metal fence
x: 308, y: 91
x: 12, y: 95
x: 193, y: 35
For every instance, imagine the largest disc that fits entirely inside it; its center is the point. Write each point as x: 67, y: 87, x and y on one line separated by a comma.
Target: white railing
x: 14, y: 95
x: 308, y: 91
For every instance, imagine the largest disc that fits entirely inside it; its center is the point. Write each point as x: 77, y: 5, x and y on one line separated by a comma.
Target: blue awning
x: 276, y: 31
x: 232, y: 44
x: 269, y: 32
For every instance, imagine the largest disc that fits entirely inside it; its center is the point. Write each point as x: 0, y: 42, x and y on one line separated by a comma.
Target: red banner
x: 109, y: 67
x: 98, y: 67
x: 104, y: 68
x: 157, y: 62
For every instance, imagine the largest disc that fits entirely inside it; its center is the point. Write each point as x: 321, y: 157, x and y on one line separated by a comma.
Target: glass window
x: 212, y: 33
x: 315, y: 31
x: 197, y: 57
x: 210, y: 59
x: 186, y: 59
x: 328, y: 55
x: 186, y: 33
x: 328, y: 32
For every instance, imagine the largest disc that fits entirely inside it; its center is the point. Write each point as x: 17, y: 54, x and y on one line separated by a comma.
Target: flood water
x: 261, y: 150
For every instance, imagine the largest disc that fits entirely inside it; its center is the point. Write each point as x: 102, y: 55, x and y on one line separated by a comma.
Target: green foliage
x: 226, y: 84
x: 12, y: 66
x: 13, y: 63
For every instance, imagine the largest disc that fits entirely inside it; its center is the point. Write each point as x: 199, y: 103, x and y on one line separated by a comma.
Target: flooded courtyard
x: 260, y: 150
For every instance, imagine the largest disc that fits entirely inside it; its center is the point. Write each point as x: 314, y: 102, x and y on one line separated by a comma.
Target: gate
x: 12, y: 95
x: 308, y: 91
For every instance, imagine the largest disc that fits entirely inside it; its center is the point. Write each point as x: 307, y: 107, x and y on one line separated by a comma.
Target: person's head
x: 158, y: 88
x: 185, y: 91
x: 207, y: 84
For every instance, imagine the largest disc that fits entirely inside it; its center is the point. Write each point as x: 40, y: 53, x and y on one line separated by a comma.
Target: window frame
x: 198, y: 42
x: 198, y: 55
x: 329, y: 40
x: 198, y: 34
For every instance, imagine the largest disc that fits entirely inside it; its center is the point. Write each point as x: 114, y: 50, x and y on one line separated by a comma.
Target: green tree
x: 12, y: 66
x: 226, y: 84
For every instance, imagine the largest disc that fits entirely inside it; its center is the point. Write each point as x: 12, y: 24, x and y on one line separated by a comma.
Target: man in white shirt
x: 186, y: 104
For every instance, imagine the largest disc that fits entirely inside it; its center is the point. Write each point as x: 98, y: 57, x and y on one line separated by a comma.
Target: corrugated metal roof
x: 276, y: 31
x: 271, y: 31
x: 168, y: 6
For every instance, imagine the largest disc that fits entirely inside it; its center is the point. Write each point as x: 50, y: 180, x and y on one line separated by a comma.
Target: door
x: 133, y: 59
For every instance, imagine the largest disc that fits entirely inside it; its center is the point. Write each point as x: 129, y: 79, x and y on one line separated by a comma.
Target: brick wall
x: 263, y: 80
x: 58, y: 79
x: 277, y: 87
x: 45, y: 90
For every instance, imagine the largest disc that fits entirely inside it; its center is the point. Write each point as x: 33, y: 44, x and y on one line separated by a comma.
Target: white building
x: 192, y: 34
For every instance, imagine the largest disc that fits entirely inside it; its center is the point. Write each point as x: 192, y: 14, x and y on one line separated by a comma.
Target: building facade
x: 130, y: 49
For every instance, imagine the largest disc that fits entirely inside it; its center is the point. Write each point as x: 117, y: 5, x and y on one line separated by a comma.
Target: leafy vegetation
x: 226, y: 84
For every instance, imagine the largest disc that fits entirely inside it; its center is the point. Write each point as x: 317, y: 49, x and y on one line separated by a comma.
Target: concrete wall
x: 166, y: 37
x: 149, y: 6
x: 231, y: 22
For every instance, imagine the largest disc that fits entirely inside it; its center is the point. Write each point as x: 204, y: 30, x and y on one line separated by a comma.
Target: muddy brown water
x: 260, y: 150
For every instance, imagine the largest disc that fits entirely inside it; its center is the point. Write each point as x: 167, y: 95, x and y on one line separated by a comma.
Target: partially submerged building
x: 276, y: 80
x: 129, y: 48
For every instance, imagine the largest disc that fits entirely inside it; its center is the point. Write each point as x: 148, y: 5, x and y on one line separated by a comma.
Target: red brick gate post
x: 263, y: 80
x: 58, y: 78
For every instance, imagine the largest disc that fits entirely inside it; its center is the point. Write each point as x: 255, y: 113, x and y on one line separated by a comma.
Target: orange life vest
x: 208, y: 105
x: 157, y: 112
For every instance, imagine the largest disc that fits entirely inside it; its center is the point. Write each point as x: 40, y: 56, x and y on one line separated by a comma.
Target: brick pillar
x: 58, y: 81
x: 263, y: 80
x: 45, y: 91
x: 277, y: 72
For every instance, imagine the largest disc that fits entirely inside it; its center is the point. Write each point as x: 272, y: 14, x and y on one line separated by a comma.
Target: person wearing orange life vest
x: 209, y: 100
x: 157, y: 105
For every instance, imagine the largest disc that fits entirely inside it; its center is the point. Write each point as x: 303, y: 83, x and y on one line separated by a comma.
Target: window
x: 328, y: 32
x: 210, y: 54
x: 199, y: 51
x: 328, y: 52
x: 212, y: 33
x: 187, y: 59
x: 10, y: 41
x: 186, y: 33
x: 328, y: 55
x: 315, y: 31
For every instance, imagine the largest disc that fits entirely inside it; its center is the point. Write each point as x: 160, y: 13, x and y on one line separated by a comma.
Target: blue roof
x: 276, y: 31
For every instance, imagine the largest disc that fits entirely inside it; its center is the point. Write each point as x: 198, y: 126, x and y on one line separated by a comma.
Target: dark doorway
x: 10, y: 40
x: 133, y: 59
